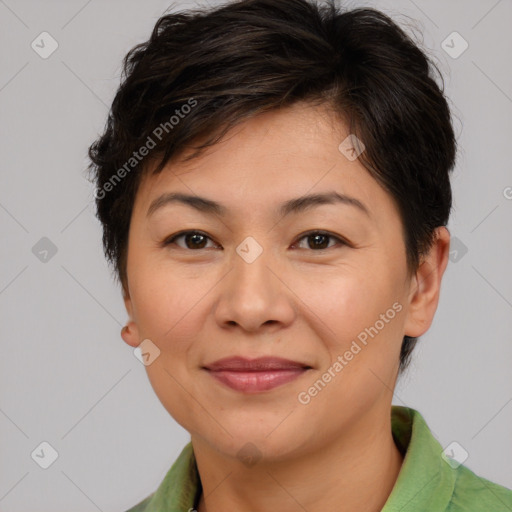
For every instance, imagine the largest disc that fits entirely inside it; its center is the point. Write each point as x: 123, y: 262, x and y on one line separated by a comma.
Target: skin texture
x: 295, y: 301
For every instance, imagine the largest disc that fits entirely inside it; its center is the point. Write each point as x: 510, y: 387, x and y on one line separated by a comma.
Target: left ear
x: 426, y: 285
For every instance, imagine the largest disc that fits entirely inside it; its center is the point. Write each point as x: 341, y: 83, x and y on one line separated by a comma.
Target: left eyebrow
x: 296, y: 205
x: 301, y: 204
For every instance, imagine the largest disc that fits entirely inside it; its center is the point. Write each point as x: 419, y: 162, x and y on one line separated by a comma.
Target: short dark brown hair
x: 203, y: 71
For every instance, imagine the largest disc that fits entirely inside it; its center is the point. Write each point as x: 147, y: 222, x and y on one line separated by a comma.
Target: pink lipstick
x: 255, y: 375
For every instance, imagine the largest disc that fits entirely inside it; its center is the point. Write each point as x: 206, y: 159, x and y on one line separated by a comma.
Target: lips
x: 255, y: 375
x: 241, y: 364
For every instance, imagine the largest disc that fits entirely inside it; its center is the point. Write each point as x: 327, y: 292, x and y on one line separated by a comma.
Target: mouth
x: 255, y: 375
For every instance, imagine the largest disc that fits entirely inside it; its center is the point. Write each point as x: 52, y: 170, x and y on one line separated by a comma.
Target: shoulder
x: 141, y: 506
x: 428, y: 481
x: 474, y: 493
x: 180, y: 488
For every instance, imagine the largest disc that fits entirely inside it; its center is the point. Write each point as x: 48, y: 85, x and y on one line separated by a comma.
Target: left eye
x: 319, y: 239
x: 197, y: 239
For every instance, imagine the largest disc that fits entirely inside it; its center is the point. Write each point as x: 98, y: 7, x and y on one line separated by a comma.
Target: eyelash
x: 171, y: 240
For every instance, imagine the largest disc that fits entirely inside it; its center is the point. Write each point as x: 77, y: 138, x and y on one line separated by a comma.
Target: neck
x: 355, y: 472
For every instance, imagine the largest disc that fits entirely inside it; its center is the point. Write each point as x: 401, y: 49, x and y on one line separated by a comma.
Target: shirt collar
x: 425, y: 481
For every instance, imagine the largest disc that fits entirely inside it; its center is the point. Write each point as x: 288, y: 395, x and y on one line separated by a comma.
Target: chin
x: 253, y: 445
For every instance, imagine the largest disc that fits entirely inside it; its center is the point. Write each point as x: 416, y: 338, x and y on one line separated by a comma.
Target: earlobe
x: 129, y: 332
x: 426, y: 285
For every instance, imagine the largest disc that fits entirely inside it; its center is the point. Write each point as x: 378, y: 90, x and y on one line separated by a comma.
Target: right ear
x: 130, y: 333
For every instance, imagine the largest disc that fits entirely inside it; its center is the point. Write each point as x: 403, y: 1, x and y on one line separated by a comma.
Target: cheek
x: 167, y: 309
x: 165, y: 298
x: 364, y: 316
x: 347, y: 301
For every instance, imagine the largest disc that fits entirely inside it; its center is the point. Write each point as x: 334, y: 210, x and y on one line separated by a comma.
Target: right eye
x: 194, y: 240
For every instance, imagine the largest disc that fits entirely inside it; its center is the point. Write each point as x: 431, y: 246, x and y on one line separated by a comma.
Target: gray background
x: 67, y: 378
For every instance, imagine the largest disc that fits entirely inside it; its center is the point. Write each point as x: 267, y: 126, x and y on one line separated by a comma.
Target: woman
x: 273, y: 184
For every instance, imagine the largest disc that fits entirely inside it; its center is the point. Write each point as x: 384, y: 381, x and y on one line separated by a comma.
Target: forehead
x: 267, y: 160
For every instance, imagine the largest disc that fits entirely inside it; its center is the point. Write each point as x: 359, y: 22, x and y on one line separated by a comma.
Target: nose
x: 255, y: 295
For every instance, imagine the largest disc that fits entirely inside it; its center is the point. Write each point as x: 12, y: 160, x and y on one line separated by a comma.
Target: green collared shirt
x: 427, y: 482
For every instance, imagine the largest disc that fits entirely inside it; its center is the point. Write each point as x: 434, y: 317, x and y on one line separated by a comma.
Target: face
x: 323, y: 284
